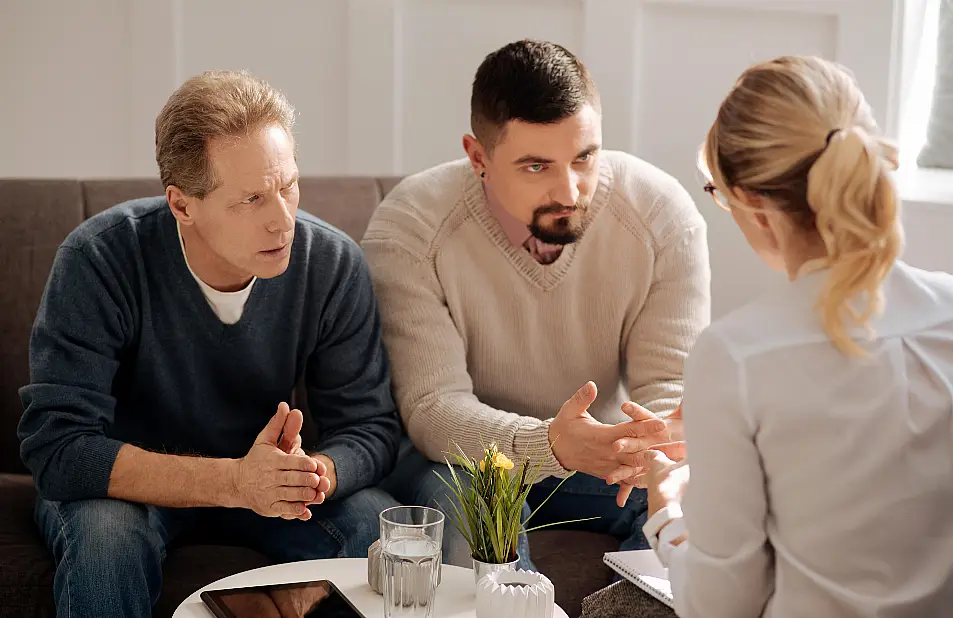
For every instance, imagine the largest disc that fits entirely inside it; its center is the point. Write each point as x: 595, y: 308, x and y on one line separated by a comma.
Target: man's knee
x: 431, y: 488
x: 102, y: 536
x: 108, y: 556
x: 421, y: 482
x: 356, y: 521
x: 368, y: 503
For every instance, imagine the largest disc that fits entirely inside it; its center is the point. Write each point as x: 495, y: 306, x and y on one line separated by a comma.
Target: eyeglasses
x: 718, y: 196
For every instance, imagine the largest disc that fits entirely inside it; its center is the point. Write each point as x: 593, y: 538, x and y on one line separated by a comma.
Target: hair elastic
x: 830, y: 136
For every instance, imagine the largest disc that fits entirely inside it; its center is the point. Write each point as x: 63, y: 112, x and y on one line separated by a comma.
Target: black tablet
x: 314, y: 599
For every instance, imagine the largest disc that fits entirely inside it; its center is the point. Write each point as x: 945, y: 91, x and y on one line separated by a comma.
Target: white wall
x: 382, y: 86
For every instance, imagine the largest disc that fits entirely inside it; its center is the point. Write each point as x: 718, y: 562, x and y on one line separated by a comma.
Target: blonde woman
x: 817, y: 419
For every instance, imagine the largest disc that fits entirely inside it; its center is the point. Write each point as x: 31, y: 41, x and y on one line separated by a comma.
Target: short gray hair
x: 212, y: 105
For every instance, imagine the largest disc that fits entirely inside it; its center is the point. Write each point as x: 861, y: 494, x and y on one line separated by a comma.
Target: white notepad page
x: 642, y: 568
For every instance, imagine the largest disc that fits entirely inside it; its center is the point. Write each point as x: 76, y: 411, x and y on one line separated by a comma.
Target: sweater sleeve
x: 433, y: 388
x: 676, y: 309
x: 348, y: 384
x: 82, y: 325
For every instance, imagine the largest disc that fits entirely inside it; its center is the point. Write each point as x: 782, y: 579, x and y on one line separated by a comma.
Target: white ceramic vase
x: 512, y: 593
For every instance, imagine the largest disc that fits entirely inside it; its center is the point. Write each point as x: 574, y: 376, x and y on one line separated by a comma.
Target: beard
x: 561, y: 231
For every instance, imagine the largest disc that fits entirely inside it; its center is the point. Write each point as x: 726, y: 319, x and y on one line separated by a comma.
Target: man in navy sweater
x: 170, y: 337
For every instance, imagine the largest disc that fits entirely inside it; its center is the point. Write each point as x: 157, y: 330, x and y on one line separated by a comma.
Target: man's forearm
x: 452, y: 424
x: 172, y: 480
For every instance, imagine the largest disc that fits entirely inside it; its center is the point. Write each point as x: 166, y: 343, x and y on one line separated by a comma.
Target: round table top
x: 456, y: 594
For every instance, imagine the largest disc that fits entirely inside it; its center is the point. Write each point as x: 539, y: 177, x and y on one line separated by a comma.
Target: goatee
x: 561, y: 231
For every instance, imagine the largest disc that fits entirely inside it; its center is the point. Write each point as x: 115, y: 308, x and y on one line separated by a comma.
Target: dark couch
x: 35, y: 216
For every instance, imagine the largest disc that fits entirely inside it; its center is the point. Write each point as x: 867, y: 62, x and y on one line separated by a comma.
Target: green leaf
x: 560, y: 523
x: 541, y: 504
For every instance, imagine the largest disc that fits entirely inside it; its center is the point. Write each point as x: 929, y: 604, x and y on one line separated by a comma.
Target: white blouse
x: 821, y: 485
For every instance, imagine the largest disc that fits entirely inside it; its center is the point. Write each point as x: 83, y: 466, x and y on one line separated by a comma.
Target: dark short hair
x: 532, y: 81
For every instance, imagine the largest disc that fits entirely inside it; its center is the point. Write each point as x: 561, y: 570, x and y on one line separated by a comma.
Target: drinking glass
x: 411, y: 538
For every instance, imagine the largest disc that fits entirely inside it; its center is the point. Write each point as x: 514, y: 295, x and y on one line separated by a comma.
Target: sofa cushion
x: 572, y: 560
x: 102, y: 194
x: 26, y: 568
x: 37, y: 215
x: 345, y: 203
x: 387, y: 184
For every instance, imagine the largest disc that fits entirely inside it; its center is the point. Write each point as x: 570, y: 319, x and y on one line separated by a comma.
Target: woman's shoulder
x: 776, y: 319
x: 786, y: 314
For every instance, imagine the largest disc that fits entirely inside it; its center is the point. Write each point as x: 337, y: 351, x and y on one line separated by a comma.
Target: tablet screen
x: 316, y: 599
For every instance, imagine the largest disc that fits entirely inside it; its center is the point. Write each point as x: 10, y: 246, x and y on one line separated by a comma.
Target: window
x: 919, y: 99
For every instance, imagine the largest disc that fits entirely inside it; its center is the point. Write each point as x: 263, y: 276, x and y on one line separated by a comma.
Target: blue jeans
x: 109, y: 553
x: 414, y: 481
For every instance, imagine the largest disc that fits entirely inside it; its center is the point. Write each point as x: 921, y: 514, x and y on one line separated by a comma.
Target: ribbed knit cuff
x: 88, y: 475
x: 348, y: 477
x: 532, y: 440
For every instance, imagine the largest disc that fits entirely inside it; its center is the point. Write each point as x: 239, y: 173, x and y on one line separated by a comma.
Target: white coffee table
x: 456, y: 594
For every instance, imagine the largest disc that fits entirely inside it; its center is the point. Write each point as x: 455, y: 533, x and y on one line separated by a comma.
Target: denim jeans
x: 414, y: 481
x: 109, y: 553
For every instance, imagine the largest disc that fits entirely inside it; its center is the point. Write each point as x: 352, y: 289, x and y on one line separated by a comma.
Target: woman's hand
x: 665, y: 479
x: 638, y: 477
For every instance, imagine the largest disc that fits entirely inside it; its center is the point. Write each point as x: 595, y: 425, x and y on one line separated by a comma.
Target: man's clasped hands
x: 277, y: 478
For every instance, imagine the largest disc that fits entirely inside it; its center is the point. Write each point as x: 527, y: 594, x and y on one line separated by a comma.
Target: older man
x: 172, y: 332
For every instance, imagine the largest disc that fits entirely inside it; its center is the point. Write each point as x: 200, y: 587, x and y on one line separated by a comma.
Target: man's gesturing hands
x: 582, y: 443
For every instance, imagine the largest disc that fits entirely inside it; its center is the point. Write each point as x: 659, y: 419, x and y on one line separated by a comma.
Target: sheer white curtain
x: 918, y: 75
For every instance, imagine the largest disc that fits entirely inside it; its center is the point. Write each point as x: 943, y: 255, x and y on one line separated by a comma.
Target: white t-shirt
x: 228, y: 306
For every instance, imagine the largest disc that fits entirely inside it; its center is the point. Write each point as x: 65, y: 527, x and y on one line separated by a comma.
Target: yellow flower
x: 482, y: 465
x: 502, y: 462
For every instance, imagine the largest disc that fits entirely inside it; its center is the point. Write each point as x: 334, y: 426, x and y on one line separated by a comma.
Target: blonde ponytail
x: 856, y: 208
x: 773, y: 136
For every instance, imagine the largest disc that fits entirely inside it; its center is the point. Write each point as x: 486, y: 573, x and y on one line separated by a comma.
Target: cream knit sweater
x: 486, y: 344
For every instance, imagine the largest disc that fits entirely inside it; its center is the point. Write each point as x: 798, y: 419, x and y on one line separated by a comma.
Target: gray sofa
x: 35, y: 216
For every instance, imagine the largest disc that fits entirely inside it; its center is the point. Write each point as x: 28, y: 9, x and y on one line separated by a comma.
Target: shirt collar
x: 517, y: 231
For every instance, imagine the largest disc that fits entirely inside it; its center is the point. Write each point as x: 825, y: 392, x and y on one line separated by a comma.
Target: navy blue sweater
x: 126, y: 349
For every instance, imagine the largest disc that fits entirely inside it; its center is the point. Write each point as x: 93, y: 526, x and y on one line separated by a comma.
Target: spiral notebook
x: 642, y: 568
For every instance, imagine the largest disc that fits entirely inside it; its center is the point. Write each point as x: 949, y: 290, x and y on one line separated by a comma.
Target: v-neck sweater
x: 487, y: 344
x: 126, y: 349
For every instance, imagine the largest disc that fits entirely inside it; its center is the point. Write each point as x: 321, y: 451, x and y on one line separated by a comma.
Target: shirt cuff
x: 666, y: 539
x: 656, y: 522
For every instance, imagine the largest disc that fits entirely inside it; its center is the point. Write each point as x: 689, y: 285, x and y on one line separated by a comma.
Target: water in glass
x: 410, y: 554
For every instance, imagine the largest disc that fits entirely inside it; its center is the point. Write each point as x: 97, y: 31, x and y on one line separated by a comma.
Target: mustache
x: 553, y: 208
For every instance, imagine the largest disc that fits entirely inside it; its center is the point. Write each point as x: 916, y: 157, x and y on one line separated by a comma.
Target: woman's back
x: 856, y: 454
x: 821, y: 461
